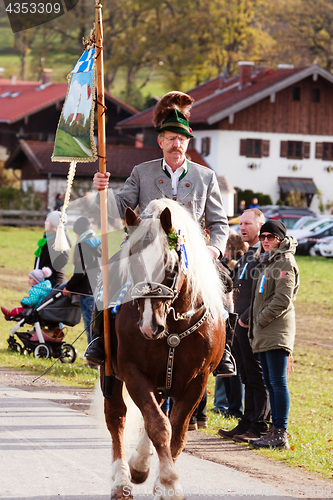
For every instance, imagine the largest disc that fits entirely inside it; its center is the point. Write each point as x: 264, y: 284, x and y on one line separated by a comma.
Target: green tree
x: 304, y: 32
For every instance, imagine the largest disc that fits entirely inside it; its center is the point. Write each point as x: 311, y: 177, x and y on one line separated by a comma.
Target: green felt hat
x: 176, y: 122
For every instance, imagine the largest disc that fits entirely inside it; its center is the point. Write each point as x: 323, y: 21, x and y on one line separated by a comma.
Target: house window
x: 295, y: 149
x: 315, y: 95
x: 328, y: 151
x: 254, y: 148
x: 296, y: 93
x: 205, y: 146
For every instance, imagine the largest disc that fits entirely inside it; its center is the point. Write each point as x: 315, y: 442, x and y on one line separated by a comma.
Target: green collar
x: 168, y: 173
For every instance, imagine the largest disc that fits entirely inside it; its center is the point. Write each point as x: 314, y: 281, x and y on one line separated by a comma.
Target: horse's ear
x: 131, y: 218
x: 166, y: 221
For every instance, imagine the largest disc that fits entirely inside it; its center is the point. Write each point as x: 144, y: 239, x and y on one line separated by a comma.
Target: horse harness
x: 152, y: 290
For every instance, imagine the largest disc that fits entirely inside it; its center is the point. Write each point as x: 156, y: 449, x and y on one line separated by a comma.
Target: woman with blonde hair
x: 272, y: 323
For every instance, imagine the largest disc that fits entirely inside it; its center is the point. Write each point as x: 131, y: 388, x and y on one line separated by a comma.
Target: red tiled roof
x: 24, y: 98
x: 121, y: 159
x: 211, y: 100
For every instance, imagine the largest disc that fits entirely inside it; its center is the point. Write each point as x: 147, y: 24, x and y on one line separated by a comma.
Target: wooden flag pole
x: 108, y: 379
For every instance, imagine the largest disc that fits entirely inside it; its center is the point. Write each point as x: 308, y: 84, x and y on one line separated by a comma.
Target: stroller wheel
x: 15, y: 347
x: 42, y: 351
x: 68, y: 354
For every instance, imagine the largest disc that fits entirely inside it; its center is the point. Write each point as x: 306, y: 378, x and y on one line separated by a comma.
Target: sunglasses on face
x: 268, y: 237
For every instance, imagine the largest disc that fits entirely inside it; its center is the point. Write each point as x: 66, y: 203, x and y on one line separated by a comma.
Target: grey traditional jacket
x: 198, y: 192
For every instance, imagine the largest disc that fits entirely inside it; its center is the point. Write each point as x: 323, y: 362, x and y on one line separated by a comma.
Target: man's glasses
x: 181, y: 139
x: 268, y: 237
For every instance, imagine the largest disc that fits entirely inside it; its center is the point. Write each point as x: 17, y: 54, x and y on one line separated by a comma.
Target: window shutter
x: 265, y: 148
x: 243, y: 147
x: 205, y: 146
x: 319, y: 150
x: 284, y: 149
x: 306, y: 150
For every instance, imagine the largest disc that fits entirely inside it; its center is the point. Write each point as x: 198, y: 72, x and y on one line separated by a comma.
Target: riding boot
x: 95, y: 353
x: 227, y: 366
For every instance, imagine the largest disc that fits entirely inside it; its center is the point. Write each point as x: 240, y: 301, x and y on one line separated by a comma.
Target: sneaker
x: 239, y: 429
x: 193, y: 427
x: 94, y: 353
x: 246, y: 437
x: 202, y: 424
x: 276, y: 438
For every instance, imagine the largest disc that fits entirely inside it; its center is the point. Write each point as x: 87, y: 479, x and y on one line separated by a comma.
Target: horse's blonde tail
x: 134, y: 421
x: 96, y: 410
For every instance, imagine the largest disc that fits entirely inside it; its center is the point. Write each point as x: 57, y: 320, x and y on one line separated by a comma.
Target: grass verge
x: 311, y: 411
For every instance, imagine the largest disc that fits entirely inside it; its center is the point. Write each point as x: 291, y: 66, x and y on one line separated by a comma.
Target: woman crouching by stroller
x: 272, y: 323
x: 40, y: 287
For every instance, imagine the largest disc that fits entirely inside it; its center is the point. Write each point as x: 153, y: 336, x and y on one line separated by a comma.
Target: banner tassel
x: 61, y: 243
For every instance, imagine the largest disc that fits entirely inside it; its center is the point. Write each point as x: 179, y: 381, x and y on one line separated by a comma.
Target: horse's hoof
x: 138, y: 477
x: 122, y: 493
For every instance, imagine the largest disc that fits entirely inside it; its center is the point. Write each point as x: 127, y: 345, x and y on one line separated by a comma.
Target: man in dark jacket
x: 254, y: 421
x: 86, y: 268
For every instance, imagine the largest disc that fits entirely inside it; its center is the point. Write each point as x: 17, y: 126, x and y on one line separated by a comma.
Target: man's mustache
x: 177, y: 149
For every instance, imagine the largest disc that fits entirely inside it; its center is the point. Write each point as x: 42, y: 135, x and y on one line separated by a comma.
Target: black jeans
x: 257, y: 407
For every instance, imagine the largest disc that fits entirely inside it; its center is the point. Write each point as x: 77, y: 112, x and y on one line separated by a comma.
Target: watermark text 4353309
x: 25, y: 14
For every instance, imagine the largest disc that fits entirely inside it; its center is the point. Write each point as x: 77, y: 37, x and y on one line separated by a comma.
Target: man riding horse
x: 175, y: 177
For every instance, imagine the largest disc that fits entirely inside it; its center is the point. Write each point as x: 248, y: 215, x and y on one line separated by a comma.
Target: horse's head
x: 156, y: 272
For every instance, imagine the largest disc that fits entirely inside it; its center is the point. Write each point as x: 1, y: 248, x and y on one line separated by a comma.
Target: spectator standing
x: 241, y: 207
x: 45, y: 254
x: 272, y: 323
x: 229, y: 391
x: 254, y: 203
x: 254, y: 422
x: 58, y: 203
x: 87, y: 254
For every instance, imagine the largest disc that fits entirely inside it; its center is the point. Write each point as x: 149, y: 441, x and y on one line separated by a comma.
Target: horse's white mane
x: 203, y: 279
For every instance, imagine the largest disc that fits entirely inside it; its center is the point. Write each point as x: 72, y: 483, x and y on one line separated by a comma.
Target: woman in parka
x: 272, y: 323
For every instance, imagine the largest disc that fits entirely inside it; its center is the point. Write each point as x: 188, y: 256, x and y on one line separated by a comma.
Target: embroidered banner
x: 75, y: 133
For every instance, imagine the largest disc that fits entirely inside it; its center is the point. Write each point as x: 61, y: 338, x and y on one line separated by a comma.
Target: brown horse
x: 170, y: 336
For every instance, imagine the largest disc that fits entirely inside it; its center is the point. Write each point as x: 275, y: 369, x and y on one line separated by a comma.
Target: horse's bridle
x: 153, y: 290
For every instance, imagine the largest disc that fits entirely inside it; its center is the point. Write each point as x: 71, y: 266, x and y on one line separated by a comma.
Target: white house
x: 264, y: 130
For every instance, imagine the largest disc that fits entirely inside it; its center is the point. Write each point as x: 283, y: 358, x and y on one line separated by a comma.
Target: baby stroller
x: 45, y: 339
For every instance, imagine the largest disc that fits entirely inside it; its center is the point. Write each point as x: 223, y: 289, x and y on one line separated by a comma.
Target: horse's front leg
x: 158, y: 430
x: 115, y: 416
x: 182, y: 411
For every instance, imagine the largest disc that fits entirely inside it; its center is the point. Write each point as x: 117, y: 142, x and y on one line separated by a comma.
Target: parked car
x: 288, y: 215
x: 323, y: 247
x: 304, y: 221
x: 320, y: 223
x: 305, y: 243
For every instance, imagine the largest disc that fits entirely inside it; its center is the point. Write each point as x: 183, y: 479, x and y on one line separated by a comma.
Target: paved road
x: 48, y: 451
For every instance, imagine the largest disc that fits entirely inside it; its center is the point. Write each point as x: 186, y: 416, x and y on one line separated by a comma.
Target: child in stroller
x: 48, y: 319
x: 40, y: 287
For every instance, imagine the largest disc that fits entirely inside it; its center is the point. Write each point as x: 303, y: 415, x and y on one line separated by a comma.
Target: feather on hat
x: 169, y: 102
x: 172, y: 113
